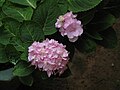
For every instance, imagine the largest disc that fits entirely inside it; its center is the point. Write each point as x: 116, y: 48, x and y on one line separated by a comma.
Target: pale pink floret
x: 70, y: 26
x: 49, y: 56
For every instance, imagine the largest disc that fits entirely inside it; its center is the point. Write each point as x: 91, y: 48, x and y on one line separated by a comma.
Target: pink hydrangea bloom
x: 70, y: 26
x: 49, y: 56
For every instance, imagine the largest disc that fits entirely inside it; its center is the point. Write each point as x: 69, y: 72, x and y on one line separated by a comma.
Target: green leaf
x: 94, y: 35
x: 12, y: 26
x: 1, y: 2
x: 28, y: 80
x: 31, y: 3
x: 17, y: 44
x: 3, y: 58
x: 86, y: 17
x: 6, y: 75
x: 22, y: 69
x: 4, y: 36
x: 85, y: 45
x: 24, y: 56
x: 18, y: 13
x: 109, y: 38
x: 62, y: 4
x: 102, y: 21
x: 46, y: 14
x: 82, y: 5
x: 2, y: 15
x: 12, y: 54
x: 31, y: 31
x: 1, y: 23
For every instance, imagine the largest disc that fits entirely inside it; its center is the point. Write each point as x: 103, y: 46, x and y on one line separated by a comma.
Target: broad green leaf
x: 4, y: 36
x: 82, y: 5
x: 102, y: 21
x: 46, y: 14
x: 22, y: 69
x: 31, y: 3
x: 62, y: 4
x: 18, y: 44
x: 109, y: 38
x: 6, y: 75
x: 3, y: 58
x: 18, y: 13
x: 1, y: 2
x: 86, y: 45
x: 12, y: 26
x: 31, y: 31
x: 28, y: 80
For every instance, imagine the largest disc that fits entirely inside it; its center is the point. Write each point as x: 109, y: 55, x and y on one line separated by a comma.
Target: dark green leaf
x: 6, y: 75
x: 31, y: 31
x: 24, y: 56
x: 17, y: 44
x: 3, y: 58
x: 4, y: 36
x: 28, y: 80
x: 102, y: 21
x: 12, y: 26
x: 22, y: 69
x: 62, y: 4
x: 86, y: 17
x: 94, y: 35
x: 85, y: 45
x: 45, y: 15
x: 18, y: 13
x: 82, y: 5
x: 109, y: 38
x: 2, y: 15
x: 1, y: 2
x: 31, y: 3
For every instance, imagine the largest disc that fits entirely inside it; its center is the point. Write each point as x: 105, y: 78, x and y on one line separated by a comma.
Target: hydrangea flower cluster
x: 49, y: 56
x: 70, y: 26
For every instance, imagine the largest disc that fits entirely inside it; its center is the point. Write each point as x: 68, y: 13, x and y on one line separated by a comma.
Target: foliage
x: 25, y: 21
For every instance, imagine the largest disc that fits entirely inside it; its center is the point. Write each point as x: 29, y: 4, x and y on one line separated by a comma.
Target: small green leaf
x: 1, y: 2
x: 18, y: 13
x: 31, y: 31
x: 31, y: 3
x: 22, y: 69
x: 6, y: 75
x: 82, y: 5
x: 109, y: 38
x: 46, y: 14
x: 28, y: 80
x: 24, y: 56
